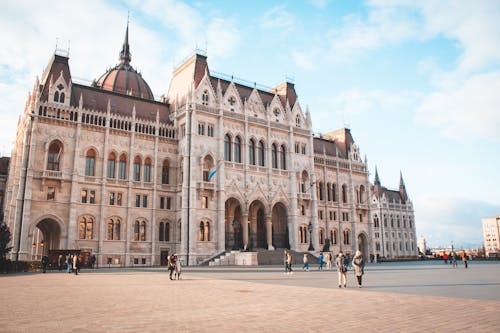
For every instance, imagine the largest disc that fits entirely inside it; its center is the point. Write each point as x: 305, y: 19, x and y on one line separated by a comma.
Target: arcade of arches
x: 255, y: 227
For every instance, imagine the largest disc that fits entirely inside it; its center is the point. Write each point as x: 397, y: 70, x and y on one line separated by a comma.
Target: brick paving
x: 250, y: 300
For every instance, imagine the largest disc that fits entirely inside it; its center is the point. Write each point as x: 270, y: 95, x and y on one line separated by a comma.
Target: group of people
x: 174, y: 266
x: 452, y: 257
x: 358, y: 263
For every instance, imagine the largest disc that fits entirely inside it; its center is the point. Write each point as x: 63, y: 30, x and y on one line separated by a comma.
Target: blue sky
x: 417, y: 82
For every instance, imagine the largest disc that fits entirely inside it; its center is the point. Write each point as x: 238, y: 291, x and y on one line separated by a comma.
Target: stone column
x: 269, y: 233
x: 245, y: 224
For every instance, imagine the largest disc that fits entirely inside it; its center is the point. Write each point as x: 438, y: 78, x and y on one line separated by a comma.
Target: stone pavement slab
x: 203, y: 301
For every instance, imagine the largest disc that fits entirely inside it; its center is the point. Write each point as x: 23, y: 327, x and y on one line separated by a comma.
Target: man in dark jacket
x: 45, y: 262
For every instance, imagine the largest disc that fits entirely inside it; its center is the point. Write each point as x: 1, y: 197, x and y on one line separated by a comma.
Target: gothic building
x: 215, y: 165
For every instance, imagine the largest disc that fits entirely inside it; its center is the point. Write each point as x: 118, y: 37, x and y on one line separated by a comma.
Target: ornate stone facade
x: 216, y: 165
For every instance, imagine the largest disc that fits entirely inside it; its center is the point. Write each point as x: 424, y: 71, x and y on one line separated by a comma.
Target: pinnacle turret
x: 125, y: 56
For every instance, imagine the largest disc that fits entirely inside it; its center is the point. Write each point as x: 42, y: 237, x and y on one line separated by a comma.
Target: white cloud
x: 321, y: 4
x: 469, y: 110
x: 278, y: 18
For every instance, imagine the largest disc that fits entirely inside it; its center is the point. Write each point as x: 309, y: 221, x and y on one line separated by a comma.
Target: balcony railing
x: 52, y: 174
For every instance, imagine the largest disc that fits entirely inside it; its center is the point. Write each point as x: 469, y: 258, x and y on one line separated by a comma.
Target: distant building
x: 393, y: 221
x: 491, y: 235
x: 422, y: 246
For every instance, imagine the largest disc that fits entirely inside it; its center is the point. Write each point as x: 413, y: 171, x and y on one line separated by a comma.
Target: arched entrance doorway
x: 233, y: 224
x: 46, y: 237
x: 258, y: 229
x: 363, y: 245
x: 280, y: 226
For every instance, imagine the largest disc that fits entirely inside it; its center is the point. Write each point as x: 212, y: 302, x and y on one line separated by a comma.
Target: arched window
x: 251, y: 152
x: 61, y: 99
x: 301, y: 235
x: 113, y: 232
x: 207, y: 231
x: 122, y: 167
x: 204, y: 97
x: 398, y: 222
x: 260, y: 153
x: 136, y: 230
x: 321, y: 189
x: 274, y: 156
x: 344, y: 193
x: 167, y: 232
x: 90, y: 163
x: 56, y: 96
x: 111, y: 165
x: 321, y: 236
x: 201, y: 233
x: 304, y: 182
x: 137, y: 168
x: 161, y: 232
x: 283, y: 157
x: 362, y: 194
x: 328, y: 191
x: 147, y: 170
x: 346, y: 237
x: 334, y: 192
x: 165, y: 170
x: 227, y: 147
x: 54, y: 156
x: 237, y: 149
x: 143, y: 231
x: 208, y: 166
x: 86, y: 227
x: 297, y: 121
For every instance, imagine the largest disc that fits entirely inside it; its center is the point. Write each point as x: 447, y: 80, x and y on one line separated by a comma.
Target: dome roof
x: 123, y: 78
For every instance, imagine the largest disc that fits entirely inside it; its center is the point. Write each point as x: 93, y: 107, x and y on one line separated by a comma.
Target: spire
x: 125, y: 56
x: 402, y: 189
x: 401, y: 182
x: 377, y: 180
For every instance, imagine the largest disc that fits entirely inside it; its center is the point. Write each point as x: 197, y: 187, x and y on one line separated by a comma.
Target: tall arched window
x: 122, y: 167
x: 143, y: 231
x: 333, y: 236
x: 274, y: 156
x: 113, y: 232
x: 90, y: 163
x: 328, y: 191
x: 283, y: 157
x: 297, y: 121
x: 321, y: 189
x: 204, y: 97
x: 54, y: 156
x: 137, y: 168
x: 251, y: 152
x: 147, y: 170
x: 201, y: 233
x: 161, y: 232
x: 237, y: 149
x: 346, y: 237
x: 208, y: 166
x: 165, y: 170
x: 362, y: 194
x: 260, y: 153
x: 344, y: 193
x: 136, y: 230
x: 61, y: 99
x: 111, y: 165
x: 227, y: 147
x: 301, y: 235
x: 167, y: 232
x: 304, y: 182
x: 86, y: 227
x: 56, y: 96
x: 321, y: 236
x: 334, y: 192
x: 207, y: 231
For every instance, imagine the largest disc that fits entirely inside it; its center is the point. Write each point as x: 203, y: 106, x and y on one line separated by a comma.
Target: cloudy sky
x: 417, y: 82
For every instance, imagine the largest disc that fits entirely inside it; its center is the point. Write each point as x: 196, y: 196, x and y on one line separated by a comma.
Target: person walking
x: 341, y: 264
x: 171, y: 265
x: 464, y: 259
x: 177, y: 268
x: 69, y: 263
x: 305, y: 267
x: 92, y: 261
x: 45, y: 262
x: 358, y: 264
x: 75, y: 264
x: 60, y: 262
x: 328, y: 259
x: 320, y: 261
x: 445, y: 258
x: 289, y: 262
x: 453, y: 256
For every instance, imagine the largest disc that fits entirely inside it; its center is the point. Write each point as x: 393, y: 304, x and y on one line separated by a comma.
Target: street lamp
x: 310, y: 229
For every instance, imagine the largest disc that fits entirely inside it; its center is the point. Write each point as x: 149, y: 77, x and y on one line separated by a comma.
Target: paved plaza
x: 404, y: 297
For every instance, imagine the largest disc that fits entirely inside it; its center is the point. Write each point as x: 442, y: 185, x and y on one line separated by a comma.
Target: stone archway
x: 233, y: 224
x: 280, y: 226
x: 46, y: 236
x: 258, y: 225
x: 363, y: 245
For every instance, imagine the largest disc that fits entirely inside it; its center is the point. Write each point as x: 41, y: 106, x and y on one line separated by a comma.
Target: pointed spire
x: 125, y: 56
x: 401, y: 182
x: 377, y: 180
x: 402, y: 189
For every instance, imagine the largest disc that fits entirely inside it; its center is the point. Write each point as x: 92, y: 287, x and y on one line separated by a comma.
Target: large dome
x: 123, y: 78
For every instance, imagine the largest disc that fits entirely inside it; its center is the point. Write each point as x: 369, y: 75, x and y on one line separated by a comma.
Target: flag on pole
x: 312, y: 184
x: 213, y: 172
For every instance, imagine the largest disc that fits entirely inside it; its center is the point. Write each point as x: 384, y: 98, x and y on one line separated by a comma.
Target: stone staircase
x: 226, y: 259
